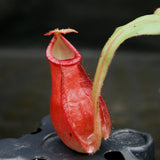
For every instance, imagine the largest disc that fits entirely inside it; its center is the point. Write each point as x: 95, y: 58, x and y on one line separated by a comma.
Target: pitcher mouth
x: 66, y: 55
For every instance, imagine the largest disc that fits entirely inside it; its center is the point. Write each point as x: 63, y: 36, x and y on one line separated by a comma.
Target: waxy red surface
x: 71, y: 107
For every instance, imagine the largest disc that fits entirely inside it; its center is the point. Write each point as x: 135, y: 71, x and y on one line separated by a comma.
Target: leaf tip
x: 157, y: 11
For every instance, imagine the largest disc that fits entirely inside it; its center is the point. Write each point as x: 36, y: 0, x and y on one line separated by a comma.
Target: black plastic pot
x: 44, y: 144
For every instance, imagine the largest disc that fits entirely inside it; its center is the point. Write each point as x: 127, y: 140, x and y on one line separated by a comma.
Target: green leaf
x: 145, y: 25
